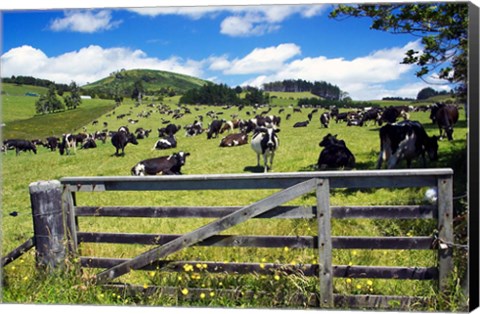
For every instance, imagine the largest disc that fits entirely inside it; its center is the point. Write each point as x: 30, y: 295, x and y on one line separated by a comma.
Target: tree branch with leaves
x: 442, y: 27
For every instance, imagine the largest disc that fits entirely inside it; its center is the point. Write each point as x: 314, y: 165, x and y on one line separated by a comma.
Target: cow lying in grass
x: 165, y: 165
x: 335, y: 154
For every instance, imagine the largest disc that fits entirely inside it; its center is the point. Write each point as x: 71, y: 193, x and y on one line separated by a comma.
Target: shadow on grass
x: 255, y: 169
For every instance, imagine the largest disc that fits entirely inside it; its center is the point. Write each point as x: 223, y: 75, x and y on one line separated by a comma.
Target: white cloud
x: 84, y: 21
x: 363, y: 77
x: 243, y: 20
x: 260, y: 60
x: 88, y: 64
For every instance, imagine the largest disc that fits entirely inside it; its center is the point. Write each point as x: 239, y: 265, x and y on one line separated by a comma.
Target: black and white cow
x: 214, y: 128
x: 68, y: 142
x: 194, y: 129
x: 52, y: 143
x: 141, y: 133
x: 19, y: 145
x: 166, y: 143
x: 265, y: 142
x: 89, y: 143
x: 170, y: 129
x: 335, y: 154
x: 121, y: 138
x: 325, y: 119
x: 405, y: 140
x: 166, y: 165
x: 235, y: 139
x: 301, y: 124
x: 445, y: 116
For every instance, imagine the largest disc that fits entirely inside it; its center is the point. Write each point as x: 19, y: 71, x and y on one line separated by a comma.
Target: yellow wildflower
x: 152, y: 274
x: 184, y: 291
x: 276, y: 277
x: 199, y: 266
x: 25, y: 278
x: 202, y: 295
x: 264, y: 259
x: 262, y: 265
x: 354, y: 253
x: 285, y: 249
x: 369, y: 283
x: 145, y: 286
x: 350, y: 263
x: 349, y: 280
x: 212, y: 294
x: 359, y: 287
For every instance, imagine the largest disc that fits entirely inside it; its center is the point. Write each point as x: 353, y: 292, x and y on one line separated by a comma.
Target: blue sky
x: 235, y: 45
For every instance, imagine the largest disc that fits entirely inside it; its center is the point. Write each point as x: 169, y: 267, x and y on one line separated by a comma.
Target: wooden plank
x: 68, y: 208
x: 217, y: 240
x: 380, y: 302
x: 324, y: 244
x: 309, y: 270
x: 445, y: 230
x: 305, y: 242
x: 208, y: 230
x: 384, y: 272
x: 385, y: 212
x: 48, y: 223
x: 290, y: 212
x: 286, y: 212
x: 17, y: 252
x: 395, y: 178
x: 383, y: 243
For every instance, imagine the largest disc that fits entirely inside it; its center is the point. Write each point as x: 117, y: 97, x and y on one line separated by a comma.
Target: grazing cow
x: 325, y: 119
x: 68, y: 141
x: 301, y: 124
x: 166, y: 143
x: 235, y: 139
x: 102, y: 136
x: 335, y: 154
x: 445, y: 116
x: 374, y: 114
x: 52, y: 143
x: 214, y: 128
x: 265, y: 142
x: 166, y: 165
x: 20, y: 146
x: 390, y: 115
x: 405, y: 140
x: 121, y: 138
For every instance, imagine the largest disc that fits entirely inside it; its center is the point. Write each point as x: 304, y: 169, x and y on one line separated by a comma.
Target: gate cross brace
x: 209, y: 230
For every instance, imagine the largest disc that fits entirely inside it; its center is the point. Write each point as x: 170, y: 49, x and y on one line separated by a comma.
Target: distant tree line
x: 398, y: 98
x: 328, y: 103
x: 321, y: 89
x: 29, y: 80
x: 221, y: 94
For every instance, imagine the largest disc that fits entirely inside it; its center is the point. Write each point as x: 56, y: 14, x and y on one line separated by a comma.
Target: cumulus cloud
x: 361, y: 77
x: 88, y: 64
x: 84, y: 22
x: 242, y: 21
x: 260, y: 60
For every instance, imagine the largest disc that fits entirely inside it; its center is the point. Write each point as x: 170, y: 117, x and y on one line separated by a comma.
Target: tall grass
x: 298, y: 151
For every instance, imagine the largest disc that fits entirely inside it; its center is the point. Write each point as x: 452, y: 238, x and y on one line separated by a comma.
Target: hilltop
x: 155, y: 82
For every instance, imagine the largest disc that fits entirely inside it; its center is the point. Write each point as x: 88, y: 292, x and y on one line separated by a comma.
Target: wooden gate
x: 292, y: 185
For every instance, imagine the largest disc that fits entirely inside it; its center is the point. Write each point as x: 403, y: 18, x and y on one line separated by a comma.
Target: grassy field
x: 298, y: 151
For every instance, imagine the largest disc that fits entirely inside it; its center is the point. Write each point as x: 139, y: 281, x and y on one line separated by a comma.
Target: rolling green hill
x: 153, y: 80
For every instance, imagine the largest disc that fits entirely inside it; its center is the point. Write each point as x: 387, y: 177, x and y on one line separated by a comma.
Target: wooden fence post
x: 48, y: 223
x: 445, y: 230
x: 324, y: 243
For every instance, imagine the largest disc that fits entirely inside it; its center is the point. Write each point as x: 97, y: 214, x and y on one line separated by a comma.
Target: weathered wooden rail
x: 292, y: 185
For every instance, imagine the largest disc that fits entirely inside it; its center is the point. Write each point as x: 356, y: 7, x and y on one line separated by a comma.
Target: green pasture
x: 298, y: 151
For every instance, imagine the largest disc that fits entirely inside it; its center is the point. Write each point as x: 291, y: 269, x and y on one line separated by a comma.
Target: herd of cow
x: 406, y: 140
